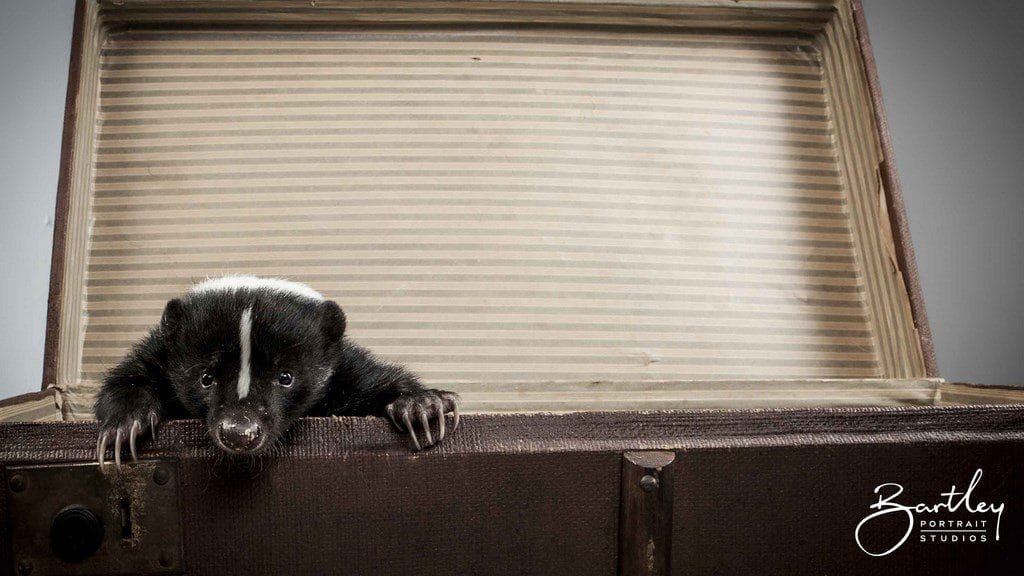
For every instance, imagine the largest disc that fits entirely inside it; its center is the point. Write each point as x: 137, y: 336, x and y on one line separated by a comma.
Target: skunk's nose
x: 240, y: 433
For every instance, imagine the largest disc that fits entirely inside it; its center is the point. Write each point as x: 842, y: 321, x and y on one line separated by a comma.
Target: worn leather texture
x: 755, y: 492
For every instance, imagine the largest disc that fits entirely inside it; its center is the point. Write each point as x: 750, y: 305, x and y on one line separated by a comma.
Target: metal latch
x: 645, y: 514
x: 83, y: 519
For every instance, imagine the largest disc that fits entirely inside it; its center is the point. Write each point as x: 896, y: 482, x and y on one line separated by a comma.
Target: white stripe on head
x: 245, y: 338
x: 235, y: 283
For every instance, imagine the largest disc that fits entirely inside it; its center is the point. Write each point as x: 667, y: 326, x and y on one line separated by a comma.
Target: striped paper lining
x: 35, y: 407
x: 537, y: 216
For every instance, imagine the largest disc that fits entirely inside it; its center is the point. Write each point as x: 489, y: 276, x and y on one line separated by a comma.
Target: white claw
x: 391, y: 413
x: 136, y: 425
x: 425, y: 422
x: 101, y: 448
x: 117, y: 449
x: 412, y: 432
x: 439, y: 407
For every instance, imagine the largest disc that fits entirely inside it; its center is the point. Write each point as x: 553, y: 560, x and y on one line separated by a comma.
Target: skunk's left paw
x: 421, y: 409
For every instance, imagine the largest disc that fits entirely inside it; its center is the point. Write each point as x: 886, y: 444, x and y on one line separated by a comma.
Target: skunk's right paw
x: 421, y: 408
x: 129, y: 427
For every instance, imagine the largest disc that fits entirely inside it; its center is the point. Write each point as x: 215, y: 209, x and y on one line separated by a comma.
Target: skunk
x: 250, y: 356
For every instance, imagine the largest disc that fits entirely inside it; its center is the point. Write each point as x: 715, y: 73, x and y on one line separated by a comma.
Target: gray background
x: 951, y: 73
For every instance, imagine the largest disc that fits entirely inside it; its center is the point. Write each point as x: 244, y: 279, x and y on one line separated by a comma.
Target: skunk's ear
x: 170, y: 322
x: 332, y: 321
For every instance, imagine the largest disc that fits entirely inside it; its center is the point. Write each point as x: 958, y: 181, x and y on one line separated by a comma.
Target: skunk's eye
x: 285, y: 379
x: 207, y: 379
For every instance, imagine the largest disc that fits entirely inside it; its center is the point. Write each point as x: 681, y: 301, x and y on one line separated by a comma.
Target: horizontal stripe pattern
x: 38, y: 407
x: 490, y: 207
x: 543, y: 206
x: 860, y: 156
x: 953, y: 394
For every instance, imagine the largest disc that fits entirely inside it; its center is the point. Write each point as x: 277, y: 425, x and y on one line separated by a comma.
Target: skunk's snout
x: 240, y: 432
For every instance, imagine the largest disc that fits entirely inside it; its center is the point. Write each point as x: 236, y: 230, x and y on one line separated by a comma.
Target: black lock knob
x: 76, y: 533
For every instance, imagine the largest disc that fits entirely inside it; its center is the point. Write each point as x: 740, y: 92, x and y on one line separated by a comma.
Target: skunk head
x: 250, y: 356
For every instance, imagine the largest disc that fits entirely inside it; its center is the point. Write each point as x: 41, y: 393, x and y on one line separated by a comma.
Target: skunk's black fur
x: 300, y: 364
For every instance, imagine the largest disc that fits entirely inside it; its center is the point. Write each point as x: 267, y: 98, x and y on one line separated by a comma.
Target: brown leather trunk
x: 751, y: 492
x: 669, y: 271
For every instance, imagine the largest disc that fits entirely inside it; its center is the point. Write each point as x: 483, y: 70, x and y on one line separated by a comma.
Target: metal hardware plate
x: 645, y: 514
x: 138, y: 507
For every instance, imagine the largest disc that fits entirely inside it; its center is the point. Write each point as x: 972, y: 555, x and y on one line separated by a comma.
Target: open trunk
x: 664, y: 240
